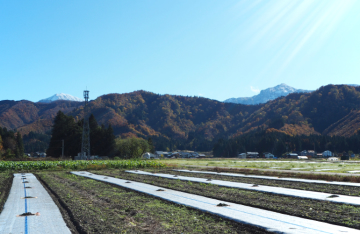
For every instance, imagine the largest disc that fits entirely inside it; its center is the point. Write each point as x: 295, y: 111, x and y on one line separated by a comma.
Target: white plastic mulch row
x: 272, y: 161
x: 262, y: 188
x: 326, y: 169
x: 275, y: 178
x: 301, y: 168
x: 268, y: 220
x: 47, y: 218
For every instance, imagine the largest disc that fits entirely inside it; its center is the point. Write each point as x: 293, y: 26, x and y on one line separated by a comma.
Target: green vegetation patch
x: 77, y: 165
x: 98, y: 207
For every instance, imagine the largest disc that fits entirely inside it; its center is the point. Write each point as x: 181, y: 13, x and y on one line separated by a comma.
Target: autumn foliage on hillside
x: 278, y: 143
x: 147, y: 114
x: 176, y: 122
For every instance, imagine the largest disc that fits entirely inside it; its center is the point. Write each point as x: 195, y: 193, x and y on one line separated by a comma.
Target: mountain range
x: 330, y: 110
x: 266, y: 95
x: 62, y: 97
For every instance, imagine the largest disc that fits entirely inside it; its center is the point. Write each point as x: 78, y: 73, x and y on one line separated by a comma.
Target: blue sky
x: 216, y: 49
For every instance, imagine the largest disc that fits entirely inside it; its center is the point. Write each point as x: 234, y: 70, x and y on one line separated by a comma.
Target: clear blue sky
x: 211, y: 48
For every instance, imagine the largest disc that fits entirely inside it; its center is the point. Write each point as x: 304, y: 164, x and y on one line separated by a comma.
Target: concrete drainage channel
x: 274, y: 178
x: 351, y: 200
x: 268, y: 220
x: 30, y: 209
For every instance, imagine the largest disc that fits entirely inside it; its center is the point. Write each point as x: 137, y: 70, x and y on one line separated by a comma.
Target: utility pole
x: 85, y: 146
x: 62, y: 149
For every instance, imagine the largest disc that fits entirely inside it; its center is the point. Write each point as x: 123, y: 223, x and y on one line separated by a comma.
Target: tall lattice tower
x: 85, y: 146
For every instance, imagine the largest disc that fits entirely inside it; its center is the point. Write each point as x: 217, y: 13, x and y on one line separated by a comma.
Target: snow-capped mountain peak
x: 61, y: 96
x: 267, y: 95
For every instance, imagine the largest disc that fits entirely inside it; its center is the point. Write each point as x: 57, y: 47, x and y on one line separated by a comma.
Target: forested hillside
x: 176, y: 122
x: 29, y: 116
x: 278, y: 143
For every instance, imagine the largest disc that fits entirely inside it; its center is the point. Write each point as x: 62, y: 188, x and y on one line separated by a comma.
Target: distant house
x: 201, y: 156
x: 162, y: 154
x: 268, y: 155
x: 252, y: 155
x: 175, y: 155
x: 303, y: 153
x: 188, y: 154
x: 311, y: 153
x: 333, y: 159
x: 39, y: 155
x: 319, y: 155
x: 292, y: 155
x: 327, y: 153
x: 194, y: 155
x: 242, y: 155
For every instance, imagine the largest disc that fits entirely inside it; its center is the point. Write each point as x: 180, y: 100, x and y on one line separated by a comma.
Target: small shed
x: 333, y: 159
x: 268, y: 155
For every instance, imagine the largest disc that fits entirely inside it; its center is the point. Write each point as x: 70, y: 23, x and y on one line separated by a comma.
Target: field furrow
x: 340, y: 214
x: 99, y: 207
x: 5, y: 182
x: 293, y: 184
x: 351, y: 200
x: 268, y: 220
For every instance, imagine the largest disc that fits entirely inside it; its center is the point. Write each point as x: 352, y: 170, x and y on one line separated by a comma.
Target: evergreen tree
x: 109, y: 141
x: 19, y: 146
x: 96, y: 135
x: 151, y: 145
x: 66, y: 129
x: 1, y: 143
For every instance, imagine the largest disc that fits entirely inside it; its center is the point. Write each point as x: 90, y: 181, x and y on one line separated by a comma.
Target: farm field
x: 76, y: 165
x: 296, y: 165
x: 5, y: 182
x: 344, y: 215
x: 97, y: 207
x: 326, y: 188
x: 90, y: 206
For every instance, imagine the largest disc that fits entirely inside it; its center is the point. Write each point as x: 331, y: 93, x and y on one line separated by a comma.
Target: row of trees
x: 11, y: 144
x: 102, y: 139
x: 36, y: 142
x: 278, y: 143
